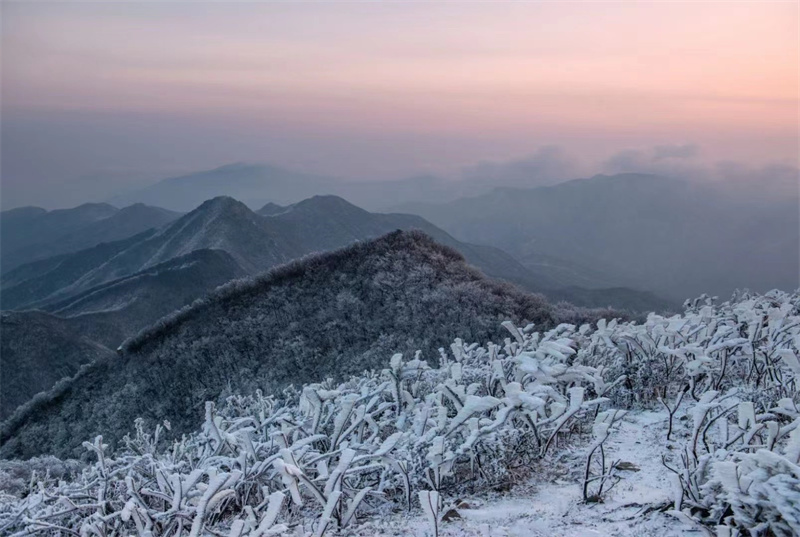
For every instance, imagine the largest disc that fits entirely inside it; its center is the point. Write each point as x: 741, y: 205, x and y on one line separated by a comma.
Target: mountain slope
x: 37, y: 350
x: 249, y: 182
x: 563, y: 273
x: 40, y: 348
x: 31, y: 234
x: 672, y: 237
x: 331, y: 314
x: 137, y: 300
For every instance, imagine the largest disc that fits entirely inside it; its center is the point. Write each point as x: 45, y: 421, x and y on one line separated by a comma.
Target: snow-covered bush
x: 734, y: 369
x: 738, y: 465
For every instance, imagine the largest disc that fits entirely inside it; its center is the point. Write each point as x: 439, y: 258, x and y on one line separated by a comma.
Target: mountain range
x: 675, y: 238
x: 254, y: 241
x: 327, y: 315
x: 111, y: 290
x: 259, y: 184
x: 31, y: 233
x: 77, y: 283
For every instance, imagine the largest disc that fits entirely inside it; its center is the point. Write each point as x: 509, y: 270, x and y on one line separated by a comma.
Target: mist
x: 66, y: 159
x: 102, y: 100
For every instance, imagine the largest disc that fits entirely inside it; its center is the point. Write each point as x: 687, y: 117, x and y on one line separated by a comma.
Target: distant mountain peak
x: 239, y: 167
x: 220, y: 200
x: 325, y: 203
x: 27, y: 211
x: 221, y: 204
x: 212, y: 216
x: 271, y: 209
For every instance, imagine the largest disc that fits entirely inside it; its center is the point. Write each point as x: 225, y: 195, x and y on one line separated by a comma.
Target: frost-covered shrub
x: 735, y: 368
x: 738, y: 469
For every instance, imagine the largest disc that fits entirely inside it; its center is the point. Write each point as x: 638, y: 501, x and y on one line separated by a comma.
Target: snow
x: 549, y: 504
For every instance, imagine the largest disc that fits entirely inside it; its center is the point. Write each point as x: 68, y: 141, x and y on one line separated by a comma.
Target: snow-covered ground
x: 549, y: 503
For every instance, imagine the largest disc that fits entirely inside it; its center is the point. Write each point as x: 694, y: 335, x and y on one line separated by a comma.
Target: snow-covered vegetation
x: 417, y: 435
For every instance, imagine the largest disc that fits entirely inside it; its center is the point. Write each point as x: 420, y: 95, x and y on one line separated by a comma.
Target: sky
x: 99, y: 97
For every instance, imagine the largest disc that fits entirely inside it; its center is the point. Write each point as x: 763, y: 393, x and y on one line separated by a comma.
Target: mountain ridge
x: 33, y: 235
x: 674, y: 237
x: 255, y: 242
x: 126, y: 285
x: 345, y: 310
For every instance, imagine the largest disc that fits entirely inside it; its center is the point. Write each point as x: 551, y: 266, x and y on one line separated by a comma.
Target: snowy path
x: 553, y: 507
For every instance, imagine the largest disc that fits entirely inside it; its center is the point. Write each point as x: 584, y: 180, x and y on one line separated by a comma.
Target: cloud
x: 682, y: 151
x: 627, y: 160
x: 758, y: 184
x: 671, y: 160
x: 551, y: 164
x: 654, y: 160
x: 548, y: 165
x: 748, y: 183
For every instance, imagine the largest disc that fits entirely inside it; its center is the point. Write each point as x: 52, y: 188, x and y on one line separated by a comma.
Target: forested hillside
x: 330, y: 315
x: 37, y: 350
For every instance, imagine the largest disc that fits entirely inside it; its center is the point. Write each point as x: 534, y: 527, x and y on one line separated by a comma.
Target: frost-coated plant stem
x: 674, y: 408
x: 602, y: 428
x: 429, y: 500
x: 575, y: 402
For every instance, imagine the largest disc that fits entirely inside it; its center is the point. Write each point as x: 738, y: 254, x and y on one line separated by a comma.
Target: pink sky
x: 482, y: 80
